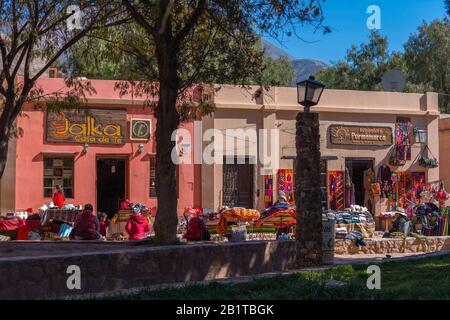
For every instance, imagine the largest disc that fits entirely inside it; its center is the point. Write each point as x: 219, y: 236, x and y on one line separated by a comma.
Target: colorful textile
x: 65, y: 230
x: 336, y: 190
x: 268, y: 191
x: 279, y: 219
x: 285, y: 183
x: 12, y: 224
x: 236, y: 215
x: 403, y: 136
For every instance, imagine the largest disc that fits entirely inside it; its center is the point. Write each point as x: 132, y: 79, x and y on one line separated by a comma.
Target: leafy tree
x: 202, y: 40
x: 428, y: 60
x: 109, y: 57
x: 363, y: 66
x: 32, y: 31
x: 447, y: 5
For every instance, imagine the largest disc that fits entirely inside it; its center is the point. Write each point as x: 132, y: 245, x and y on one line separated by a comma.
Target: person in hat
x: 400, y: 219
x: 137, y: 225
x: 282, y: 197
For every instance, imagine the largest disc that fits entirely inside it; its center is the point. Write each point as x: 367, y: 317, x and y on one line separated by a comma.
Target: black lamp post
x: 308, y: 194
x: 309, y: 92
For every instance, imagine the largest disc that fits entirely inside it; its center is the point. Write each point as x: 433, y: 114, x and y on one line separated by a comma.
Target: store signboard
x: 140, y: 129
x: 360, y: 135
x: 87, y: 125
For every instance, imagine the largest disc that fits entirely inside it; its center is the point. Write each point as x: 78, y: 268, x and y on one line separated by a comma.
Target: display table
x: 367, y: 229
x: 65, y: 215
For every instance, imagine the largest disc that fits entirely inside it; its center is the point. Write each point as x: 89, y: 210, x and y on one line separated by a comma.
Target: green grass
x: 414, y: 279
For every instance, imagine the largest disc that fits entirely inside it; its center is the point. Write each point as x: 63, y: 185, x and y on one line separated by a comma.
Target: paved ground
x: 18, y: 249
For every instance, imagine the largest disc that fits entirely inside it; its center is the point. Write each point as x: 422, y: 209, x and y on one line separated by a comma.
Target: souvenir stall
x: 26, y: 225
x: 355, y: 218
x: 237, y: 216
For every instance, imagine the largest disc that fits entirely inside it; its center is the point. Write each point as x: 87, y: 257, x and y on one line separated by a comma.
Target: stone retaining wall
x: 384, y: 246
x: 42, y: 272
x: 136, y: 267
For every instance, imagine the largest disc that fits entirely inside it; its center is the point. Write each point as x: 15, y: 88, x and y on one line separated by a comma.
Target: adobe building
x: 358, y: 130
x: 100, y: 154
x: 106, y: 152
x: 444, y: 149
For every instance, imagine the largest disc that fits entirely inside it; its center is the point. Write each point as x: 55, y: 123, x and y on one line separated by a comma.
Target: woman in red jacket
x: 137, y: 226
x: 58, y: 198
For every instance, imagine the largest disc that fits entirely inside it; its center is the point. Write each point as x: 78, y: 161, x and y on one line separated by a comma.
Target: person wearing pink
x: 137, y: 226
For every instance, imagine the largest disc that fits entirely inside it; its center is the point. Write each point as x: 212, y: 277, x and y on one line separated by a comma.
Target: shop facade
x: 101, y: 154
x: 365, y: 138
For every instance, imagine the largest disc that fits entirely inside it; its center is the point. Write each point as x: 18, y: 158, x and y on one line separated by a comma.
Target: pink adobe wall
x: 30, y: 148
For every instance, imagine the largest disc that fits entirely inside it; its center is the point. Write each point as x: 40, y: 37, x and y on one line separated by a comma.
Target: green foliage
x: 363, y: 66
x: 425, y: 63
x: 427, y: 57
x: 413, y: 279
x: 109, y: 56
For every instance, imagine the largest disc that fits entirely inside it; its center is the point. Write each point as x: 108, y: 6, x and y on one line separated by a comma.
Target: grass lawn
x: 414, y: 279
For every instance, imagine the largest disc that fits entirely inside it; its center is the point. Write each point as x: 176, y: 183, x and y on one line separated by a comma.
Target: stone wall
x: 136, y: 267
x: 384, y: 246
x: 36, y: 270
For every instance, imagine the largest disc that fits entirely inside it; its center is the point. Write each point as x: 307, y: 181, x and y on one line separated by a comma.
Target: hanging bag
x: 426, y: 162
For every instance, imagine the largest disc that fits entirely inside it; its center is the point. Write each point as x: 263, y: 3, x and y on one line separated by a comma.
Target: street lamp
x: 308, y: 193
x: 309, y: 92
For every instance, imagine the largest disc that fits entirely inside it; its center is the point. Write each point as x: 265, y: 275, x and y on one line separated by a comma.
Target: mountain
x: 303, y: 67
x: 306, y: 67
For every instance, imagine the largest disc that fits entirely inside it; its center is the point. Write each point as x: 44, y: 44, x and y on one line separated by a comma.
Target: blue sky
x: 347, y: 18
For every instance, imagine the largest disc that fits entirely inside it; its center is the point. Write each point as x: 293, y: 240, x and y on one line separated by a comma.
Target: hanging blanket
x: 13, y: 224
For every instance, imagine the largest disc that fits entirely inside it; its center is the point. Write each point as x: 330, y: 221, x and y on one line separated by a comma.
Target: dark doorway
x: 110, y: 185
x: 238, y: 184
x: 356, y: 168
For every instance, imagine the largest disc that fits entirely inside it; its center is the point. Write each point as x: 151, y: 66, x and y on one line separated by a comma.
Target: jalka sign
x: 98, y: 126
x: 356, y: 135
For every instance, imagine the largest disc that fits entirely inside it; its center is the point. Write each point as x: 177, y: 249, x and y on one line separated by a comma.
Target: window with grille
x: 58, y: 171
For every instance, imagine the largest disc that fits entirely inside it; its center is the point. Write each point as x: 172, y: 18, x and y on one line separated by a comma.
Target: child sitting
x: 137, y: 225
x: 103, y: 223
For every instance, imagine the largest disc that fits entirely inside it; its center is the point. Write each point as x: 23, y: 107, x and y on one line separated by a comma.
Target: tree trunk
x: 166, y: 222
x: 4, y: 143
x: 307, y: 191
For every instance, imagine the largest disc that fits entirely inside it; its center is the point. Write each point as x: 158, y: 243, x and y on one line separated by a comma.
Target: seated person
x: 400, y: 219
x: 86, y: 225
x: 103, y: 223
x: 281, y: 197
x: 58, y: 197
x: 137, y: 225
